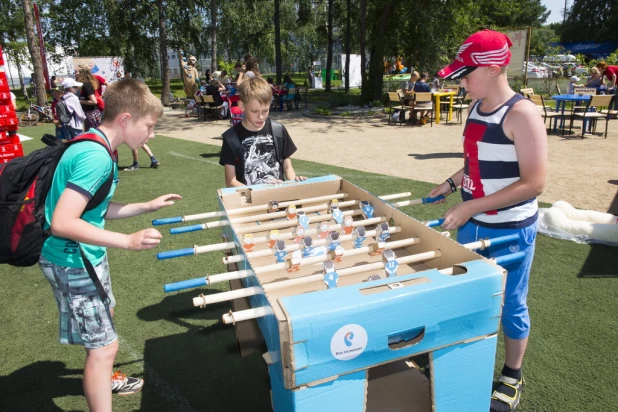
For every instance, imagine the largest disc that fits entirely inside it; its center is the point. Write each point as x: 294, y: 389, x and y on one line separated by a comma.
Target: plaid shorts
x: 84, y: 318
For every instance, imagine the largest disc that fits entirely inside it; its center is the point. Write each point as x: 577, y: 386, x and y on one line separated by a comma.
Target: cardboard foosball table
x: 346, y: 288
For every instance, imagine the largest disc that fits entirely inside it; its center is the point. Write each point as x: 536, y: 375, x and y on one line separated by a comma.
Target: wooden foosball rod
x: 226, y: 276
x: 291, y: 248
x: 257, y: 240
x: 233, y: 317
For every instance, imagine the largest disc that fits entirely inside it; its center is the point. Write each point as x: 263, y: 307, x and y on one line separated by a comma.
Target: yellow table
x: 437, y: 96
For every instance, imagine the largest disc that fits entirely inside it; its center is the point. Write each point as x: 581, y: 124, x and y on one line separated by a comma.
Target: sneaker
x: 125, y: 385
x: 506, y: 394
x: 132, y: 167
x: 155, y: 164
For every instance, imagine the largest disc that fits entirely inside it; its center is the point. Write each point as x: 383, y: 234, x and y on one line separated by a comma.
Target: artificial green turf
x: 188, y: 357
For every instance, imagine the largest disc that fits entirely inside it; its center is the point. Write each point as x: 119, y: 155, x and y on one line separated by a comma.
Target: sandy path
x: 582, y: 172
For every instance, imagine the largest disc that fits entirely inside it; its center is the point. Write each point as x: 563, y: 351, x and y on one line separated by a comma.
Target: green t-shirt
x: 84, y: 167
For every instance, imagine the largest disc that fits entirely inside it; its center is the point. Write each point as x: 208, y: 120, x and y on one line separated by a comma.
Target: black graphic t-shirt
x: 261, y: 164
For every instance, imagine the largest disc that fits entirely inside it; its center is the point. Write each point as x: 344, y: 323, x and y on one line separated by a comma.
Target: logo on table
x: 348, y: 342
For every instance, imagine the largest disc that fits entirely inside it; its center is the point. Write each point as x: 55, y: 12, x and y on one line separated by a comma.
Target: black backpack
x: 233, y: 141
x: 24, y: 184
x: 62, y: 112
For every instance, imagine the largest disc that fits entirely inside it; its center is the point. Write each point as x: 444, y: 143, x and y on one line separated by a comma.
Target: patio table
x: 561, y: 100
x: 437, y: 96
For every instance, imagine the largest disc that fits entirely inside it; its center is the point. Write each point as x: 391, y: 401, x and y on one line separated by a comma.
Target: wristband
x: 452, y: 184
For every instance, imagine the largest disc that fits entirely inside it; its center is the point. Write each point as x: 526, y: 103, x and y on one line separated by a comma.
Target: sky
x: 556, y: 7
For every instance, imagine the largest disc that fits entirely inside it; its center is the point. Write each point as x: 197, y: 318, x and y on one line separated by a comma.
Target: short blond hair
x: 255, y: 89
x: 130, y: 96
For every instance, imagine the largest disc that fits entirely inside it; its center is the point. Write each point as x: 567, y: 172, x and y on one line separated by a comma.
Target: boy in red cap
x: 505, y: 162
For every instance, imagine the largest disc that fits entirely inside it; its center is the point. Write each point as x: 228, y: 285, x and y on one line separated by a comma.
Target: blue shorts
x: 84, y: 318
x: 515, y: 317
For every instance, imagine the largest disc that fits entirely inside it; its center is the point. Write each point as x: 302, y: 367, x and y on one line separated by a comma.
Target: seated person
x: 573, y: 83
x: 595, y: 79
x: 214, y: 89
x: 276, y: 92
x: 408, y: 89
x: 287, y: 85
x: 421, y: 86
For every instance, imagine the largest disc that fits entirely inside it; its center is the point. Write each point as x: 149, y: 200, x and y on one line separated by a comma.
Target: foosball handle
x: 185, y: 284
x: 185, y: 229
x: 170, y: 254
x: 434, y: 223
x: 513, y: 257
x: 432, y: 199
x: 167, y: 221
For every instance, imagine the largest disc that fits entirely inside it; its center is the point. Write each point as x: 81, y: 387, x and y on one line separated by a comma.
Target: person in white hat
x: 573, y: 83
x: 75, y: 127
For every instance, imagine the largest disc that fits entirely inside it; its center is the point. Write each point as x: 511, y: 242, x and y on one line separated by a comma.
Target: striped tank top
x: 491, y: 165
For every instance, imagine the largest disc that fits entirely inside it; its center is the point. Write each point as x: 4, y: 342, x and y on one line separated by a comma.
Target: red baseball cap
x: 483, y: 48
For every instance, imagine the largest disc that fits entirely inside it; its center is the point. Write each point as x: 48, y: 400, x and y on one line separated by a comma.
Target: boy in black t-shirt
x: 257, y: 150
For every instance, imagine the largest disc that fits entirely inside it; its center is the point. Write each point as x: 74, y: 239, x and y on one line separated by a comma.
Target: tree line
x: 289, y: 33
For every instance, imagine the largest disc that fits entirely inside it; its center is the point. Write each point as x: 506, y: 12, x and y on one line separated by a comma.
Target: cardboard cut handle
x: 185, y: 284
x: 167, y: 221
x: 170, y: 254
x: 185, y: 229
x: 406, y: 338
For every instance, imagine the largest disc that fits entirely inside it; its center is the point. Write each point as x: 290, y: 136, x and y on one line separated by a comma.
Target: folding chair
x: 577, y: 107
x: 525, y: 92
x: 460, y: 107
x: 396, y: 103
x: 289, y: 103
x: 540, y: 104
x: 213, y: 111
x: 423, y: 98
x: 594, y: 112
x: 201, y: 105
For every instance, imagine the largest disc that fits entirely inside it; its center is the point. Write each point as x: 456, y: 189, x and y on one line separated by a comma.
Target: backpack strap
x: 232, y: 139
x: 96, y: 200
x: 277, y: 129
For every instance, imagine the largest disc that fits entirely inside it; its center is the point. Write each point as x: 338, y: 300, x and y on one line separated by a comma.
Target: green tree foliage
x: 541, y: 40
x: 591, y: 20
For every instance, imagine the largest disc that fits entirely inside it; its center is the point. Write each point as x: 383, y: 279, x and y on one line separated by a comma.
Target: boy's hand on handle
x: 144, y: 239
x: 457, y: 216
x: 444, y: 189
x: 162, y: 201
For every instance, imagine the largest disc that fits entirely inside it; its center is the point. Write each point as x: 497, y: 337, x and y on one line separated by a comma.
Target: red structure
x: 10, y: 147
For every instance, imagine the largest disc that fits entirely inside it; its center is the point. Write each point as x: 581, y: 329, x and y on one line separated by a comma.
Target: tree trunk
x: 278, y: 43
x: 363, y: 51
x: 165, y: 64
x: 329, y: 55
x: 213, y: 36
x: 35, y: 54
x: 347, y: 46
x: 376, y: 69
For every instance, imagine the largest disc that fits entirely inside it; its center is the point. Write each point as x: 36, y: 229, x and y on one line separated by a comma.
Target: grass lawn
x: 188, y: 357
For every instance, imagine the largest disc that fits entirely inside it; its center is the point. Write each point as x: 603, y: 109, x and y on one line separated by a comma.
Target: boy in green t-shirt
x: 131, y: 112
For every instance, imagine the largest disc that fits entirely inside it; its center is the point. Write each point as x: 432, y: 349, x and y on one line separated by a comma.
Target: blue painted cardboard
x: 449, y: 309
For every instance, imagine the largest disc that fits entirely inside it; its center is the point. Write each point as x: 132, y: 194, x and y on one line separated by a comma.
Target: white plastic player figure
x: 279, y: 251
x: 248, y: 244
x: 323, y: 230
x: 273, y: 236
x: 295, y: 261
x: 331, y: 278
x: 333, y: 240
x: 273, y: 206
x: 335, y: 212
x: 382, y: 232
x: 291, y: 212
x: 307, y: 245
x: 299, y: 234
x: 367, y: 209
x: 390, y: 263
x: 347, y: 226
x: 303, y: 219
x: 359, y: 235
